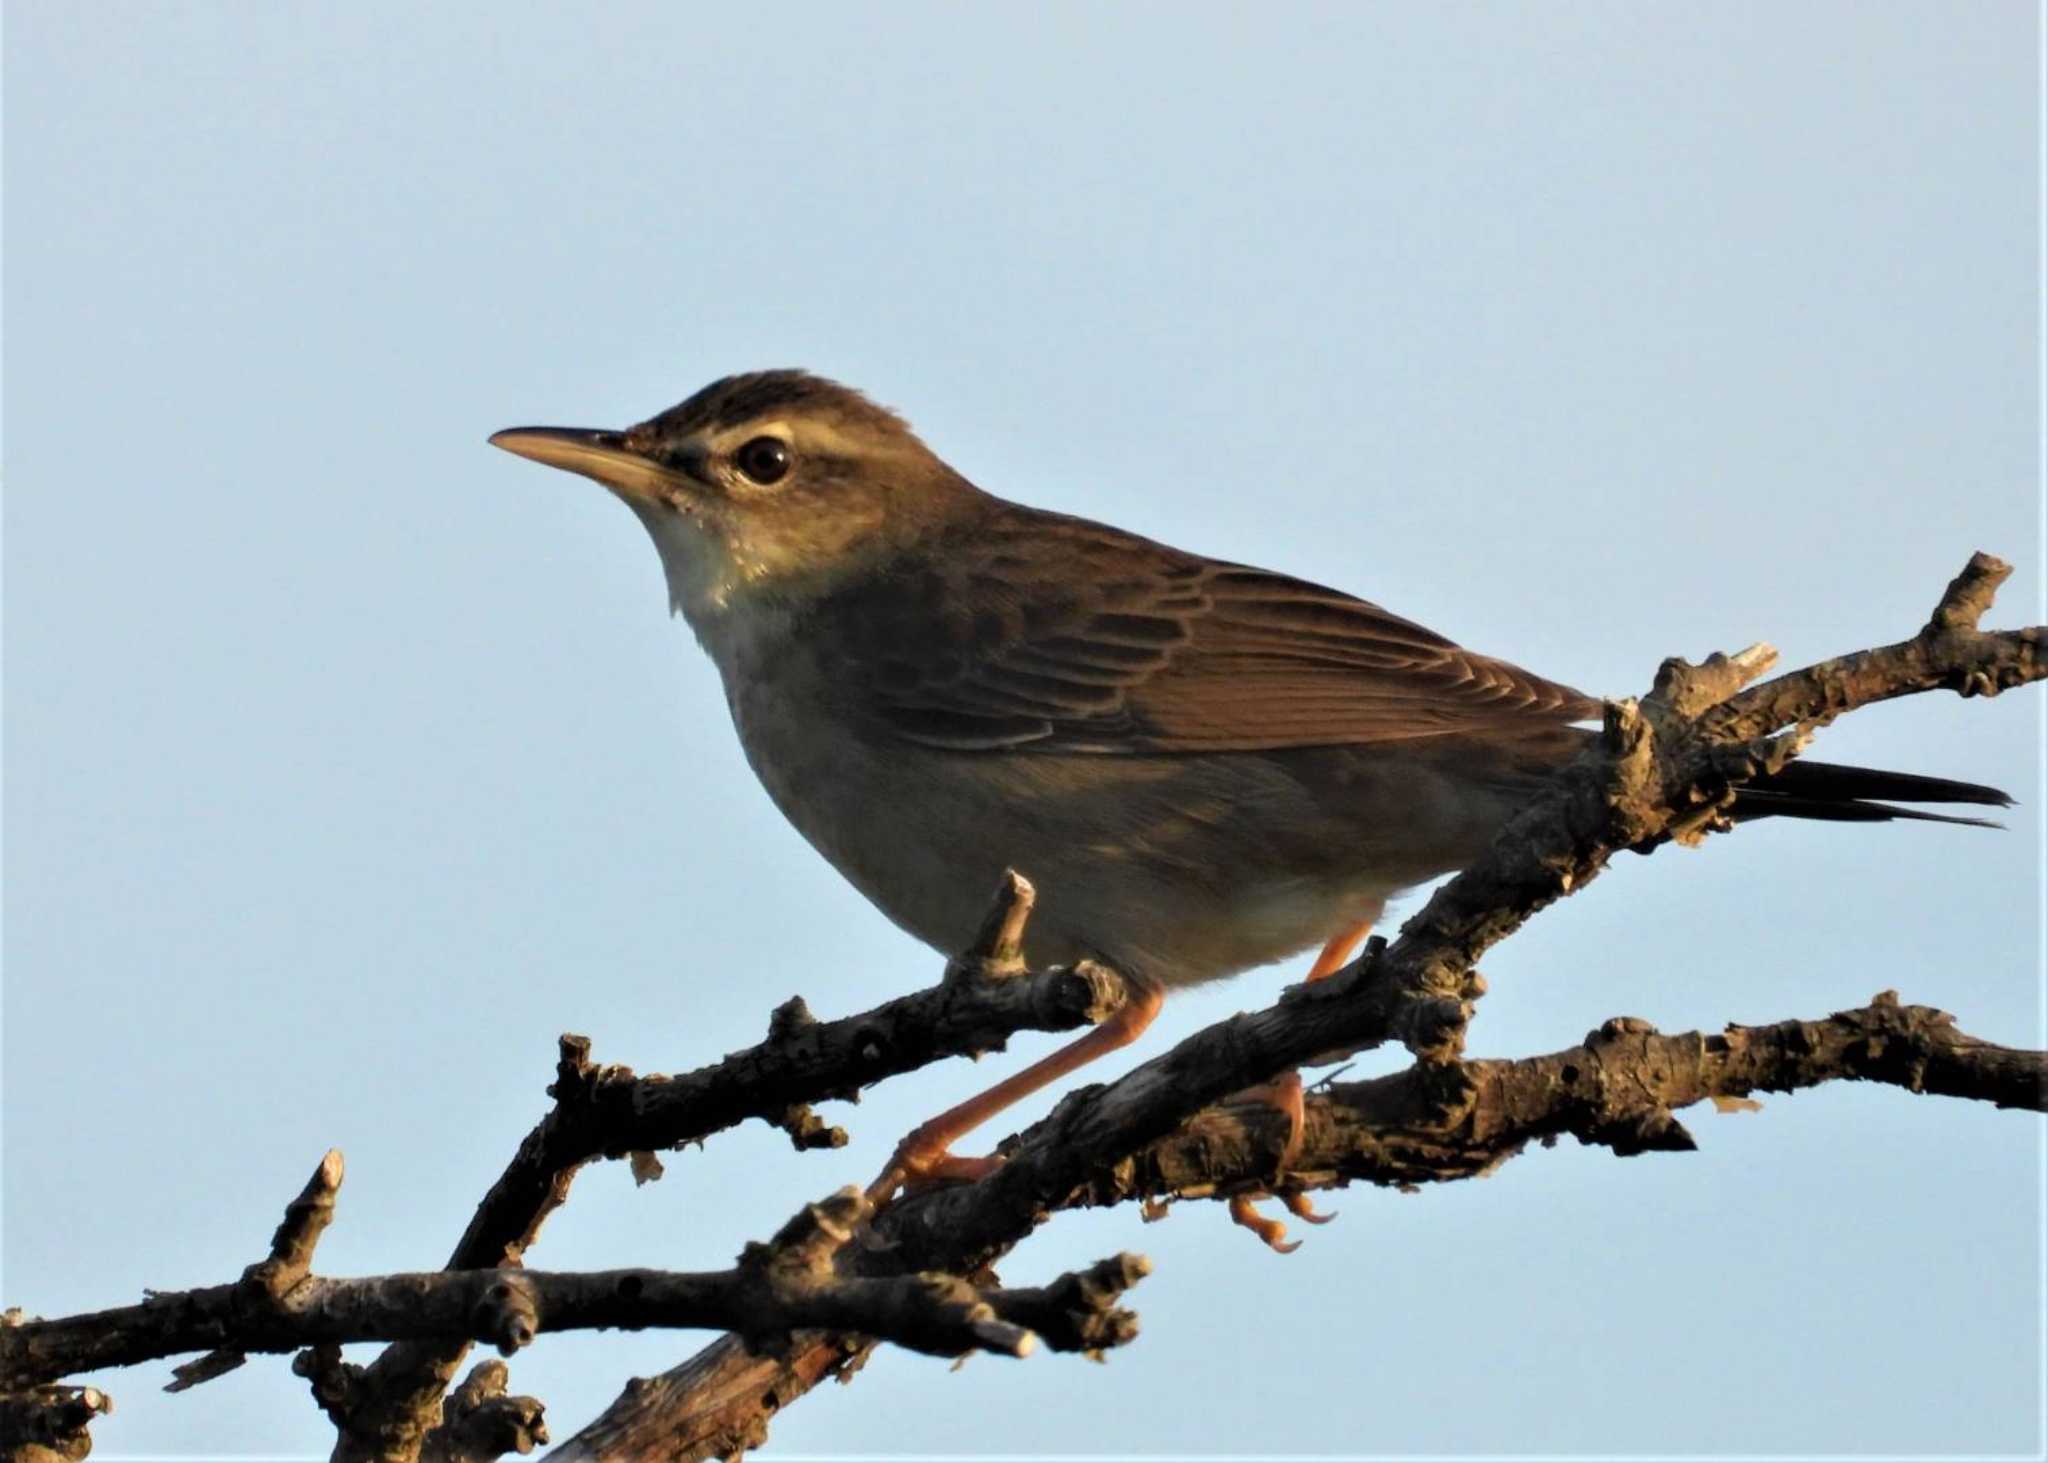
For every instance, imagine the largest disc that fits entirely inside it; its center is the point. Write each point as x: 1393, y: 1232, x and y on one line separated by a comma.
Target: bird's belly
x: 1182, y: 869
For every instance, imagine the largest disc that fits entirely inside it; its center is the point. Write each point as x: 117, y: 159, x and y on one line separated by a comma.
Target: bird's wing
x: 1048, y: 633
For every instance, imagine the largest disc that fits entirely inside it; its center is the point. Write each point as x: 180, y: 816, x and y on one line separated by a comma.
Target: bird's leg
x: 1284, y: 1093
x: 921, y: 1158
x: 1340, y: 947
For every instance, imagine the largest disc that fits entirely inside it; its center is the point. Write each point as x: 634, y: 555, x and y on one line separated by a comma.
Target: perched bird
x: 1202, y: 766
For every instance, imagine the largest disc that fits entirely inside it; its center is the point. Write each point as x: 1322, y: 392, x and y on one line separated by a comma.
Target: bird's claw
x: 1299, y: 1205
x: 1271, y: 1231
x: 1243, y: 1211
x: 1283, y: 1095
x: 915, y: 1168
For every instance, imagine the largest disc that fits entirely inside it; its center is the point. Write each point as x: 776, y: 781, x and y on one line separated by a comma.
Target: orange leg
x: 1338, y: 951
x: 922, y: 1157
x: 1284, y: 1093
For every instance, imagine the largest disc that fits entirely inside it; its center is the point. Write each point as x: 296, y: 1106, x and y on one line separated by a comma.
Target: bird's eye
x: 765, y: 460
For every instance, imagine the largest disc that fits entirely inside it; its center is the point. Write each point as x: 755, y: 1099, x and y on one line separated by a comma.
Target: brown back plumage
x: 1054, y: 634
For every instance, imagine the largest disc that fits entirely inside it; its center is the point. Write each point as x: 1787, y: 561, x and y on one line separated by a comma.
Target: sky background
x: 348, y: 761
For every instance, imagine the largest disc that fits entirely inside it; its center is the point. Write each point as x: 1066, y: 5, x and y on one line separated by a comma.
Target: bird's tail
x: 1852, y: 794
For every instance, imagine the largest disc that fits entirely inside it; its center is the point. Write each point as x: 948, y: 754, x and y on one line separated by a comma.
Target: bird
x: 1202, y: 766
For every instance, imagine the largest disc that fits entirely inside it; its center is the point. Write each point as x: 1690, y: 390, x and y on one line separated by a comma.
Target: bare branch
x: 49, y: 1424
x: 33, y: 1351
x: 1432, y: 1123
x: 1078, y: 1312
x: 1949, y: 653
x: 718, y: 1404
x: 1617, y: 1089
x: 985, y: 997
x: 291, y: 1255
x: 610, y: 1112
x: 790, y: 1284
x: 480, y: 1421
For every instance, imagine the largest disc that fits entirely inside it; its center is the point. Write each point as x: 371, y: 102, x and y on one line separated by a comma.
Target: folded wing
x: 1054, y: 634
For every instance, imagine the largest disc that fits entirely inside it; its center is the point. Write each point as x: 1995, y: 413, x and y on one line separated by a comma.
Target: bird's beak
x: 603, y: 456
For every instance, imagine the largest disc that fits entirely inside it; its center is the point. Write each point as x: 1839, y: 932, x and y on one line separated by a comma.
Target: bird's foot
x: 920, y: 1164
x: 1271, y: 1232
x: 1284, y: 1095
x: 1244, y: 1211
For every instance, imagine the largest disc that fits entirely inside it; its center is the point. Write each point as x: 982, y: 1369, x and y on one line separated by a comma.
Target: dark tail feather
x: 1843, y: 794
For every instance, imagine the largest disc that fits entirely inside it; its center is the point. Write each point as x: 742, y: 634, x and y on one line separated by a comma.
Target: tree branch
x: 1617, y: 1089
x: 1950, y: 653
x: 792, y: 1283
x: 481, y: 1421
x: 49, y: 1424
x: 1431, y: 1123
x: 985, y: 996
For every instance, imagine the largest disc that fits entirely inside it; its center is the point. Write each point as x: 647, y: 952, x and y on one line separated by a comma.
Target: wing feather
x: 1053, y: 634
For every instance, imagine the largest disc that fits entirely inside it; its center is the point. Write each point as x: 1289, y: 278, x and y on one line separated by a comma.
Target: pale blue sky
x: 348, y: 761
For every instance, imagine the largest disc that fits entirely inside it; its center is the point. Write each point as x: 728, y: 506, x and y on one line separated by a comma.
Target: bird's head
x: 775, y: 486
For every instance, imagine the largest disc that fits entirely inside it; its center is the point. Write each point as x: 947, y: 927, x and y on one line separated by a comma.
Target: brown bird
x: 1202, y: 766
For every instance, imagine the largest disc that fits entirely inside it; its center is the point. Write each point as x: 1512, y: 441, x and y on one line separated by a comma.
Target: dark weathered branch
x: 481, y: 1421
x: 986, y: 996
x: 1618, y: 1089
x: 49, y: 1424
x: 790, y: 1284
x: 1431, y: 1123
x: 1950, y: 653
x: 1664, y: 769
x: 270, y: 1280
x: 718, y: 1404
